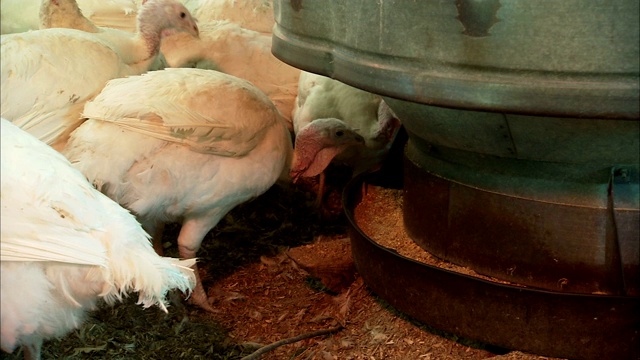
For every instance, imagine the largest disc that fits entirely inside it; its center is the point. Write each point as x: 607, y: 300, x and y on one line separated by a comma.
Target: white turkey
x: 48, y: 75
x: 140, y: 49
x: 254, y: 15
x: 225, y: 46
x: 320, y: 98
x: 65, y: 246
x: 22, y: 15
x: 184, y: 145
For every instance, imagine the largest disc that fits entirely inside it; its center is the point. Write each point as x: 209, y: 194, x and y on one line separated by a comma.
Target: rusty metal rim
x: 577, y: 326
x: 577, y: 96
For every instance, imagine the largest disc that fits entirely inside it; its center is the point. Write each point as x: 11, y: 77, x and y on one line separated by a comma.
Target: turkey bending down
x: 321, y: 98
x: 39, y: 92
x: 66, y: 246
x: 185, y: 145
x: 226, y: 46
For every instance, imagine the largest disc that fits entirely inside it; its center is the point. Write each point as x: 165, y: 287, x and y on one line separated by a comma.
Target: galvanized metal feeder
x: 522, y: 161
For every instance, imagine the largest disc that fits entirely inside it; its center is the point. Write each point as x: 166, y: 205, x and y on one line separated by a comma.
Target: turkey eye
x: 182, y: 15
x: 339, y: 133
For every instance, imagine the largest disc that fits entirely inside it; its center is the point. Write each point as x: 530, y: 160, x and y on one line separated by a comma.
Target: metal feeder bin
x: 522, y: 162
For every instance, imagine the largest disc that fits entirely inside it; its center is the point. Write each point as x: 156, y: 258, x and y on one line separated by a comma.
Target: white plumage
x: 65, y: 246
x: 182, y: 145
x: 117, y: 14
x: 320, y: 97
x: 136, y: 48
x: 47, y: 75
x: 22, y: 15
x: 254, y: 15
x: 38, y: 93
x: 227, y: 47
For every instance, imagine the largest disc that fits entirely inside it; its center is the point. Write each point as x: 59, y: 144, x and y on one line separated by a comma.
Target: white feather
x: 66, y: 245
x: 226, y: 46
x: 38, y: 95
x: 254, y: 15
x: 139, y: 48
x: 39, y: 92
x: 162, y: 180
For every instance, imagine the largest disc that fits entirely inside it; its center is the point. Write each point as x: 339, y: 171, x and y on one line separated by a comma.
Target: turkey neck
x: 150, y: 27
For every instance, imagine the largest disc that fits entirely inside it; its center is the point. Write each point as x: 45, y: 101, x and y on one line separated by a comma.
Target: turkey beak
x: 196, y: 31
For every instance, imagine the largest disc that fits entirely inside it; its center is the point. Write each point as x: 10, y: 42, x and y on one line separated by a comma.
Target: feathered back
x: 50, y: 213
x: 221, y: 117
x: 255, y: 15
x: 226, y: 46
x: 38, y: 92
x: 117, y: 14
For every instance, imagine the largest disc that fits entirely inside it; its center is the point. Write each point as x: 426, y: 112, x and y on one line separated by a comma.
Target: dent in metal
x: 477, y: 16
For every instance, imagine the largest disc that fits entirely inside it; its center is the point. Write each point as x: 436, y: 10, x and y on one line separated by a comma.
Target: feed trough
x: 522, y: 161
x: 561, y: 324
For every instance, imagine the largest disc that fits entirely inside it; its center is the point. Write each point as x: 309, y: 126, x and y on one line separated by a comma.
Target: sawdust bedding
x: 262, y: 296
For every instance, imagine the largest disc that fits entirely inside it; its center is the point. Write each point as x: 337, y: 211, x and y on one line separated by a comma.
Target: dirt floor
x: 262, y: 296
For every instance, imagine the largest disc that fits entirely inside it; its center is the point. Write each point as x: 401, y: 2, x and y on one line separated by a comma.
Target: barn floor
x: 262, y: 297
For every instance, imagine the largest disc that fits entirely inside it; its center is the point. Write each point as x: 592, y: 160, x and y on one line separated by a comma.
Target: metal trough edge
x: 575, y: 326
